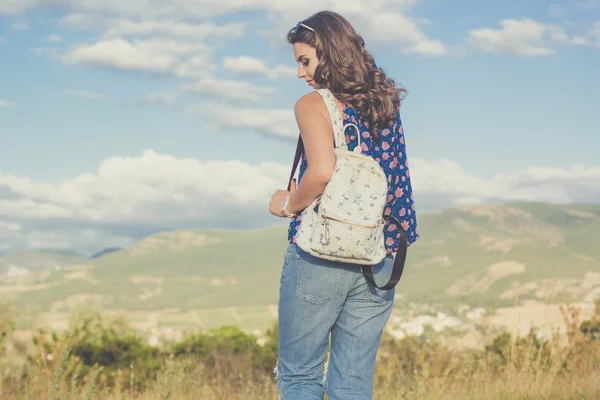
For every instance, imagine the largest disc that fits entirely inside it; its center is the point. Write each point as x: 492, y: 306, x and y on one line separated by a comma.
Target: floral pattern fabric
x: 390, y: 153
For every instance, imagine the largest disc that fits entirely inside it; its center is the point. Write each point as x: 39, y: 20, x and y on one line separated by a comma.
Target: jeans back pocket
x: 319, y: 280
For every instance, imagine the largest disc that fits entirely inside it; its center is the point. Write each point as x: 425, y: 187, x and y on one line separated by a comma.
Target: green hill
x: 479, y: 256
x: 21, y: 262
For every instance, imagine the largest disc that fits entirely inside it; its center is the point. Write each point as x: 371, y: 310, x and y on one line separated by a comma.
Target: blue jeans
x: 318, y: 297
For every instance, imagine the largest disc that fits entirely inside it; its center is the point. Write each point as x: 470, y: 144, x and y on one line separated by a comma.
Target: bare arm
x: 317, y: 135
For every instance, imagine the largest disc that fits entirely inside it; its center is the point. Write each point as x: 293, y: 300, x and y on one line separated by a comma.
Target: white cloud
x: 379, y: 21
x: 198, y: 66
x: 246, y: 65
x: 127, y: 188
x: 276, y: 123
x: 10, y: 226
x: 230, y: 91
x: 171, y: 28
x: 20, y: 26
x: 581, y: 40
x: 524, y: 37
x: 139, y: 26
x: 88, y: 240
x: 157, y: 99
x: 83, y: 94
x: 594, y: 34
x: 53, y: 38
x: 152, y: 55
x: 590, y: 38
x: 535, y: 183
x: 397, y: 27
x: 127, y: 198
x: 179, y: 39
x: 6, y: 104
x: 87, y: 21
x: 11, y: 7
x: 121, y: 54
x: 50, y: 52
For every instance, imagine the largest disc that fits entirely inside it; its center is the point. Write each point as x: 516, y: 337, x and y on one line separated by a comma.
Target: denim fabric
x: 318, y: 297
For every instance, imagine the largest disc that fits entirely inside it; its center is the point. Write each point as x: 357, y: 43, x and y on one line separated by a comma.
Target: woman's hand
x: 277, y: 198
x: 314, y: 123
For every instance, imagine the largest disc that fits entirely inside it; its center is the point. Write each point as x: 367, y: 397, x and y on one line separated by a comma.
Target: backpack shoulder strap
x: 338, y: 130
x: 336, y: 118
x: 399, y: 260
x: 299, y: 150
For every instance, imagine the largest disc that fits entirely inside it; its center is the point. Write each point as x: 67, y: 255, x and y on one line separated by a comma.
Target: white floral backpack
x: 346, y: 223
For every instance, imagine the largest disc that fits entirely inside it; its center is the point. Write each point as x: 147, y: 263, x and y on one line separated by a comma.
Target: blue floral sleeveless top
x: 390, y: 153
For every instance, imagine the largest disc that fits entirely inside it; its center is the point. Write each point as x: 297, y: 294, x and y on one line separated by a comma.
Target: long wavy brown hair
x: 348, y: 70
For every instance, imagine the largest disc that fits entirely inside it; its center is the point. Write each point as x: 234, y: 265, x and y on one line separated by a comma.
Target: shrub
x: 94, y: 359
x: 229, y: 343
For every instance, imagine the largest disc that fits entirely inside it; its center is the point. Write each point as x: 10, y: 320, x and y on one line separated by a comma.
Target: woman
x: 319, y: 298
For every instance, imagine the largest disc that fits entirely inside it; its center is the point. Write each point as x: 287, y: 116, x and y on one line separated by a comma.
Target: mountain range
x: 470, y: 262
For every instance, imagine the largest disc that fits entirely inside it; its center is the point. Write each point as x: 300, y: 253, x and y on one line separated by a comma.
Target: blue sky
x: 116, y: 118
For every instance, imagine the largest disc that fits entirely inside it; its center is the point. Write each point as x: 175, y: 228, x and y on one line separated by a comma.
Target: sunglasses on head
x: 302, y: 24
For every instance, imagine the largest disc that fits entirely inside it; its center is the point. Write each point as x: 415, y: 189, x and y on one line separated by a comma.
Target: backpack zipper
x: 326, y: 238
x: 326, y: 217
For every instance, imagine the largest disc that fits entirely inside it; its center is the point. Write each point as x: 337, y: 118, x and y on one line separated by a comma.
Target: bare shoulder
x: 310, y: 103
x: 312, y: 117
